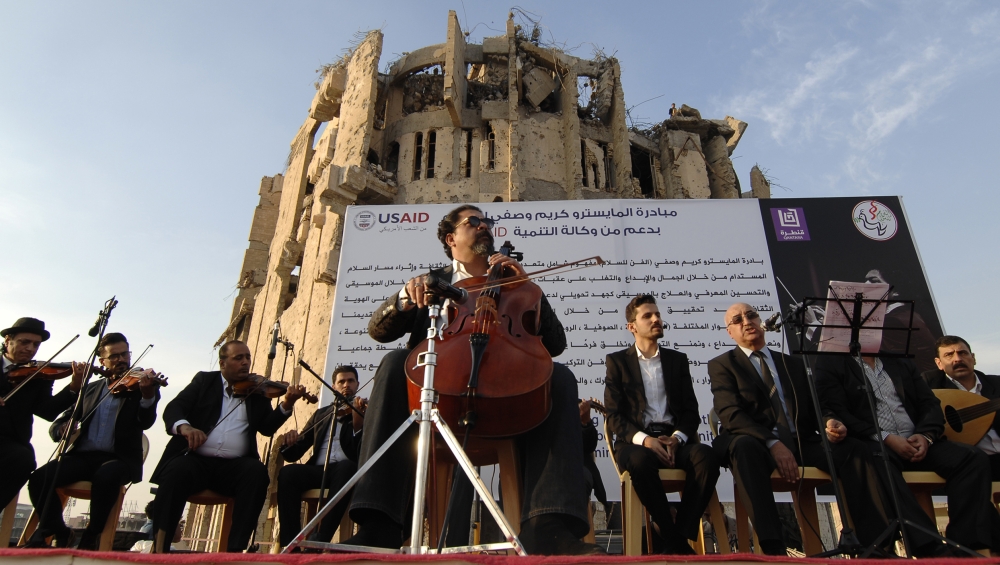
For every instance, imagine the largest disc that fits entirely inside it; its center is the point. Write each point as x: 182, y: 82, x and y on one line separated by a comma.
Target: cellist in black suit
x: 17, y: 458
x: 214, y: 446
x: 654, y: 413
x: 768, y: 422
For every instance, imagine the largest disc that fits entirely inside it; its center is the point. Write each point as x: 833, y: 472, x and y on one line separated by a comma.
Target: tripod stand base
x: 434, y: 417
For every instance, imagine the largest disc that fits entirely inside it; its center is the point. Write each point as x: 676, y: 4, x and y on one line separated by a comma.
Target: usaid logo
x: 875, y: 220
x: 364, y: 220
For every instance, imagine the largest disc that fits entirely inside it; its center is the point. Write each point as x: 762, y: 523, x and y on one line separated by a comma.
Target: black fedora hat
x: 26, y: 326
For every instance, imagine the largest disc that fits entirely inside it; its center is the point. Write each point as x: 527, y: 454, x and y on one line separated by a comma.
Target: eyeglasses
x: 738, y: 319
x: 117, y: 356
x: 476, y: 221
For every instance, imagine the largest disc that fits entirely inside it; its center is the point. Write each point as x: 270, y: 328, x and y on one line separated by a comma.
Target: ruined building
x: 505, y: 120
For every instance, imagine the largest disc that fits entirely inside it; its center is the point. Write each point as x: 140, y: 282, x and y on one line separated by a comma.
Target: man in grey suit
x: 554, y: 513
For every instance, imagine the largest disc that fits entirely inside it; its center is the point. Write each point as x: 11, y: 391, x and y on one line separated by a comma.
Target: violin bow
x: 38, y: 370
x: 529, y: 276
x: 107, y: 392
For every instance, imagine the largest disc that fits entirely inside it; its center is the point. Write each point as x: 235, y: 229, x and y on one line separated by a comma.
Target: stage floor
x: 75, y: 557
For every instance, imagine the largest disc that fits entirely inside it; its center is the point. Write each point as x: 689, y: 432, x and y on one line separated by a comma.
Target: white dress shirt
x: 228, y: 438
x: 336, y: 450
x: 990, y: 444
x: 754, y: 360
x: 657, y: 409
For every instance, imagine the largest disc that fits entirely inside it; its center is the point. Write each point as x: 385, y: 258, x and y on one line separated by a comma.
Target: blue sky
x: 133, y: 135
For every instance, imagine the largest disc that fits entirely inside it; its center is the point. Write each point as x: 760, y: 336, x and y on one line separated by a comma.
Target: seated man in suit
x: 554, y: 514
x: 17, y: 457
x: 214, y: 446
x: 956, y: 370
x: 768, y: 423
x: 911, y: 423
x: 341, y: 460
x: 653, y: 412
x: 108, y: 452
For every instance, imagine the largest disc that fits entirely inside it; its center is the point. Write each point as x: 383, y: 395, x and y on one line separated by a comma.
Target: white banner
x: 696, y: 256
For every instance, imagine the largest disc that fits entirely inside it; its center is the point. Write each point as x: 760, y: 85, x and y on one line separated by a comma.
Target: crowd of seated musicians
x: 766, y: 424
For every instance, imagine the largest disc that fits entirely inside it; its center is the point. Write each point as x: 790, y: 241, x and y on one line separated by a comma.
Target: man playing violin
x: 17, y: 457
x: 214, y: 446
x: 341, y: 459
x: 107, y: 452
x: 555, y: 513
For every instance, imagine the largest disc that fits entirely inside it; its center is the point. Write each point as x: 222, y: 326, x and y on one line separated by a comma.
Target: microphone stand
x: 101, y: 326
x: 426, y: 416
x: 899, y: 523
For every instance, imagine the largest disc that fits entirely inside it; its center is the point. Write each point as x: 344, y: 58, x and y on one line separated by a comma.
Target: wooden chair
x: 311, y: 498
x: 81, y: 490
x: 805, y: 509
x: 482, y: 452
x: 923, y: 484
x: 633, y: 513
x: 211, y: 498
x: 7, y: 522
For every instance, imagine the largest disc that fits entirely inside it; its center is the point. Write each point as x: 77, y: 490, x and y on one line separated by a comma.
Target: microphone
x: 772, y: 323
x: 92, y: 332
x: 274, y: 343
x: 439, y: 287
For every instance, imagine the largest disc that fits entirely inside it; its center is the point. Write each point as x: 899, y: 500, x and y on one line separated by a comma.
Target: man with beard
x: 956, y: 370
x: 341, y: 461
x: 768, y: 423
x: 554, y: 514
x: 17, y: 457
x: 108, y: 451
x: 214, y: 446
x: 653, y: 412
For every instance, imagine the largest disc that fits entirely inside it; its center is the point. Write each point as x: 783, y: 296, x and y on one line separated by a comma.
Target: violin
x: 256, y: 384
x: 52, y: 371
x: 492, y: 362
x: 130, y: 381
x: 346, y: 410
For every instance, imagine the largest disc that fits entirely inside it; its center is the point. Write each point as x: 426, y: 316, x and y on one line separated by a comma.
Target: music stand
x: 426, y: 416
x: 856, y: 324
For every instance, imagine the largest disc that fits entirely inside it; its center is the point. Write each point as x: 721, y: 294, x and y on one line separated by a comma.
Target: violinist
x: 108, y: 450
x: 555, y: 513
x: 214, y: 446
x: 341, y: 461
x: 17, y: 458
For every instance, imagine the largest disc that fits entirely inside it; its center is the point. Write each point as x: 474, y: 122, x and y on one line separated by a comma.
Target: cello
x: 494, y: 373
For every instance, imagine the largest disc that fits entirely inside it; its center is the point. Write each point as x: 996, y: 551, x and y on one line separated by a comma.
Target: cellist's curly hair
x: 449, y: 221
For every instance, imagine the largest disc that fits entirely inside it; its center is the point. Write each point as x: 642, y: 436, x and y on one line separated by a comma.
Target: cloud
x: 872, y: 70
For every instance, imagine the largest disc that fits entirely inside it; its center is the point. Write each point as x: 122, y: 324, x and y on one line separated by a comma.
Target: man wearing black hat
x: 108, y: 452
x: 17, y: 458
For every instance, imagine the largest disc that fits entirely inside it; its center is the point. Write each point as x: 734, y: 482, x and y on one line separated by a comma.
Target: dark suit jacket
x: 742, y: 403
x: 991, y: 386
x: 314, y: 438
x: 625, y: 395
x: 130, y: 422
x: 35, y: 398
x: 388, y: 323
x: 200, y: 403
x: 841, y: 385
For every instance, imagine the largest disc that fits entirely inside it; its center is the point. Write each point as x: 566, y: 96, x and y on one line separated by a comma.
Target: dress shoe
x: 378, y: 531
x: 549, y: 535
x: 63, y: 538
x: 89, y: 540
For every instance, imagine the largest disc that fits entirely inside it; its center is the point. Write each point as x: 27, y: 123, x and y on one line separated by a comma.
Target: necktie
x: 784, y: 432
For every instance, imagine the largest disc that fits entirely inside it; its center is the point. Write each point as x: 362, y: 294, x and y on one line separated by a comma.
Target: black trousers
x: 242, y: 478
x: 551, y: 454
x: 293, y: 480
x: 104, y: 470
x: 17, y: 461
x: 700, y: 463
x: 994, y: 468
x: 752, y: 465
x: 972, y: 519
